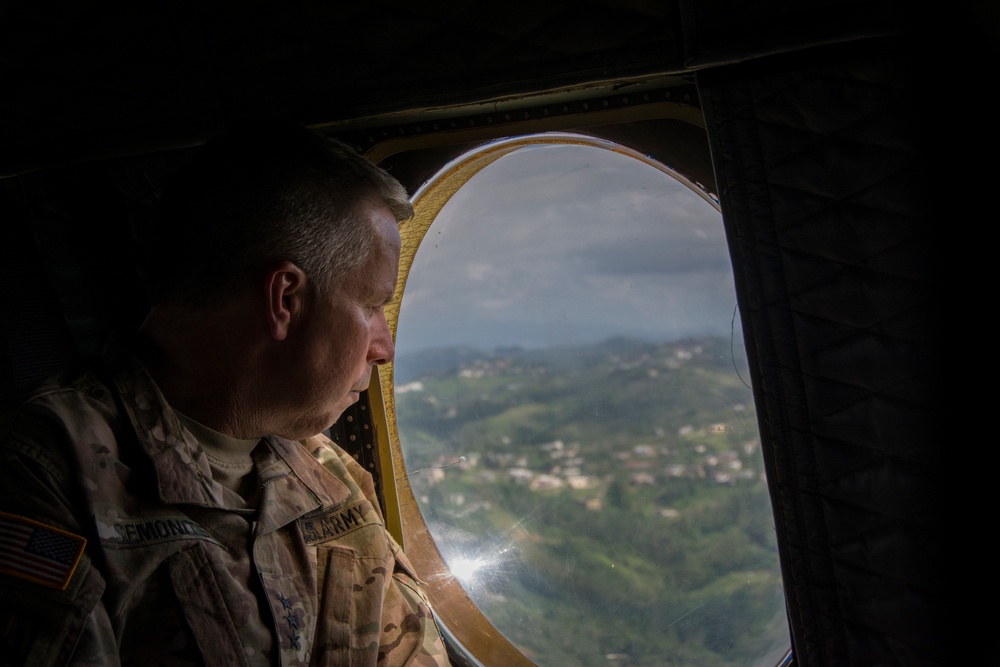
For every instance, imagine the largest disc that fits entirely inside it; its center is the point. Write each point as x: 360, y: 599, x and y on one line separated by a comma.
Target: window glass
x: 572, y: 403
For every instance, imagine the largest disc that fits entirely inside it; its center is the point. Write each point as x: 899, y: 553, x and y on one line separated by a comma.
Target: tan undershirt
x: 229, y: 458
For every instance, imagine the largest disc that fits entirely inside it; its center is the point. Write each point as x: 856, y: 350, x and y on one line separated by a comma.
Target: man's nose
x: 381, y: 349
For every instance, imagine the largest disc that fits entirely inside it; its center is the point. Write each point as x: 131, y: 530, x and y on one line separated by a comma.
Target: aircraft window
x: 570, y: 398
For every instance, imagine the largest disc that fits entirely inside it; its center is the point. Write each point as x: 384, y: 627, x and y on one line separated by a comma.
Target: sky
x: 567, y: 244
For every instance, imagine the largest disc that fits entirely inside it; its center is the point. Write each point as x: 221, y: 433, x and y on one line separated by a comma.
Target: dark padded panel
x: 85, y: 80
x: 35, y: 340
x: 90, y: 227
x: 720, y: 32
x: 828, y: 228
x: 355, y: 433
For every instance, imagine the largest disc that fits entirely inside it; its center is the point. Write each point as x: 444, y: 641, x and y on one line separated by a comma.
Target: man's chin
x: 337, y: 410
x: 352, y: 397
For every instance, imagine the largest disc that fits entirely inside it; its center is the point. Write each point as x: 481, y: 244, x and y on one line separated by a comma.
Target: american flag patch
x: 39, y: 553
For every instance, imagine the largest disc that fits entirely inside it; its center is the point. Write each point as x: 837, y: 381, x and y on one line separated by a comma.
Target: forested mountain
x: 605, y: 504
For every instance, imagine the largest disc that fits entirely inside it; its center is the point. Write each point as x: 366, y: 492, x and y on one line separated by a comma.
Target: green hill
x: 616, y: 488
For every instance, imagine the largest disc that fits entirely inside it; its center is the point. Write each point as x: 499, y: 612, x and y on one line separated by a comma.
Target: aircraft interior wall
x: 811, y: 129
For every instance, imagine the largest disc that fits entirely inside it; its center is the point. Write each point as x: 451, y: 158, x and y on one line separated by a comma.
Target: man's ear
x: 286, y: 289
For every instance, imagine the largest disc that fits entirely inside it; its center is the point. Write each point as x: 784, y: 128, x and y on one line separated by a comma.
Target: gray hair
x: 263, y: 193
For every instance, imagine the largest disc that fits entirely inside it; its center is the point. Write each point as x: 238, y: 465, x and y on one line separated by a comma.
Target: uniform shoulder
x: 57, y: 395
x: 330, y: 454
x: 339, y: 463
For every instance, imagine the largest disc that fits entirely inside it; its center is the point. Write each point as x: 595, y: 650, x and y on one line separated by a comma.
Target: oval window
x: 570, y: 397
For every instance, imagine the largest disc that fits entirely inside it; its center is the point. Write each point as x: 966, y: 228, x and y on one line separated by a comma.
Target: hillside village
x: 575, y: 466
x: 613, y: 486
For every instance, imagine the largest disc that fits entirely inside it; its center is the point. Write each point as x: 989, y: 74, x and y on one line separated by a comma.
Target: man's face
x: 345, y: 333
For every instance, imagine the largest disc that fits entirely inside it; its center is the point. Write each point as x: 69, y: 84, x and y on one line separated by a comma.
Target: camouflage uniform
x: 175, y: 569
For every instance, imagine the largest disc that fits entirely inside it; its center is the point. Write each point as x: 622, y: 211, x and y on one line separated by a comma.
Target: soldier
x: 175, y: 502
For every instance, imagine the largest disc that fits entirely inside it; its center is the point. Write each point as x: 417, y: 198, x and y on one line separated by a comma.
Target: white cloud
x: 558, y: 242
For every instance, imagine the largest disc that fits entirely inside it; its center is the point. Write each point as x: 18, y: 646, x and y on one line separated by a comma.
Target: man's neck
x: 204, y: 367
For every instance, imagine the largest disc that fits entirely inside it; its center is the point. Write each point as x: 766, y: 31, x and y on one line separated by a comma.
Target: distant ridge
x: 433, y: 361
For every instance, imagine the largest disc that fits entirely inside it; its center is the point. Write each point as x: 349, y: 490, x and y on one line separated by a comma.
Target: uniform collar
x: 294, y: 483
